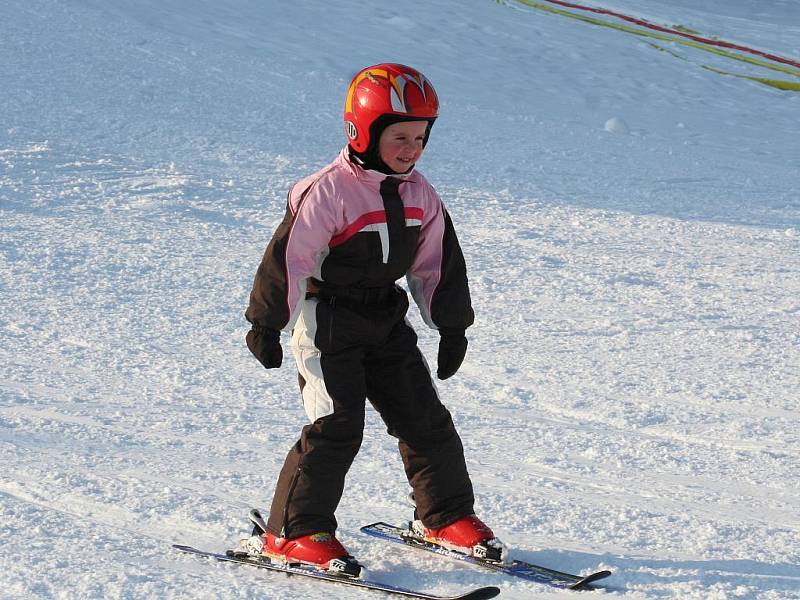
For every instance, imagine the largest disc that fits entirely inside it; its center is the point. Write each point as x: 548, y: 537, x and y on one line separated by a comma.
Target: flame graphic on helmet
x: 398, y: 85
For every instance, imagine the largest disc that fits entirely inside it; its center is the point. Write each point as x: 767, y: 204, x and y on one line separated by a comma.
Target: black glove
x: 265, y: 344
x: 452, y: 349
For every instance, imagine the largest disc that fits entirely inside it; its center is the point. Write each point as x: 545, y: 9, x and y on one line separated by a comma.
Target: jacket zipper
x: 332, y: 304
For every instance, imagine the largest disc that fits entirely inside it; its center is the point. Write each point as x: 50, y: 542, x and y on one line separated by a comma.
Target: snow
x: 617, y: 125
x: 629, y: 400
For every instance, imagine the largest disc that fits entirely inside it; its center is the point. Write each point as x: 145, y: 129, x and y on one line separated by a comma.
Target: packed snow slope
x: 630, y: 219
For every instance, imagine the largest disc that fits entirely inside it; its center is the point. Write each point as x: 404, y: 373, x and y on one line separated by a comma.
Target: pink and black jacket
x: 347, y: 227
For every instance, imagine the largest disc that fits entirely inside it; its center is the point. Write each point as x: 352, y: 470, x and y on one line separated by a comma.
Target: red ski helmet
x: 397, y: 92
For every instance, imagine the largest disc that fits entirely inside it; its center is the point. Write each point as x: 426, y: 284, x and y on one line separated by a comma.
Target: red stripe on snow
x: 697, y: 38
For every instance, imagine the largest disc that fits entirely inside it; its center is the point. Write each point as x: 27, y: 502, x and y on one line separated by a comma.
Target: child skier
x: 328, y: 275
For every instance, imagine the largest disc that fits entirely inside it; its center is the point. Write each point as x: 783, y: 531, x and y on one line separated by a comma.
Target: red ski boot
x: 468, y: 535
x: 321, y: 550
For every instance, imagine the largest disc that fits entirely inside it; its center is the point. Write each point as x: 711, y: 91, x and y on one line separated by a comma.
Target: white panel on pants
x: 316, y: 400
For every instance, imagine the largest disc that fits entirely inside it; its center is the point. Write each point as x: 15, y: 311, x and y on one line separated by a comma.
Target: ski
x: 517, y: 568
x: 483, y: 593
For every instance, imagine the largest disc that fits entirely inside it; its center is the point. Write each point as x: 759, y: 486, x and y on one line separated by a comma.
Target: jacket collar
x: 369, y: 176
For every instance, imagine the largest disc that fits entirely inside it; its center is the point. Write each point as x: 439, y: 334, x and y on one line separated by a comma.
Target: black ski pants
x: 349, y: 349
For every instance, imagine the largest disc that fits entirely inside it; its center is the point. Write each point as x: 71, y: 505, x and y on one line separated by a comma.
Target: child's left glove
x: 452, y: 350
x: 265, y: 344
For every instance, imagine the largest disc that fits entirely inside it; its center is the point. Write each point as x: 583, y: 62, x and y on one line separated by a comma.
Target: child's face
x: 400, y: 144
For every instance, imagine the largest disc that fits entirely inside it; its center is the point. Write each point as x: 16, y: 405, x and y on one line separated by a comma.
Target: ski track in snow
x: 629, y: 400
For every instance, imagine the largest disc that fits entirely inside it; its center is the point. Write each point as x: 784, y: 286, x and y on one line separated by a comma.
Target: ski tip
x: 483, y: 593
x: 586, y: 582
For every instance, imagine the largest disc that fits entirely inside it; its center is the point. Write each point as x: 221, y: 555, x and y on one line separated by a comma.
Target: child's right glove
x: 265, y: 344
x: 452, y: 350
